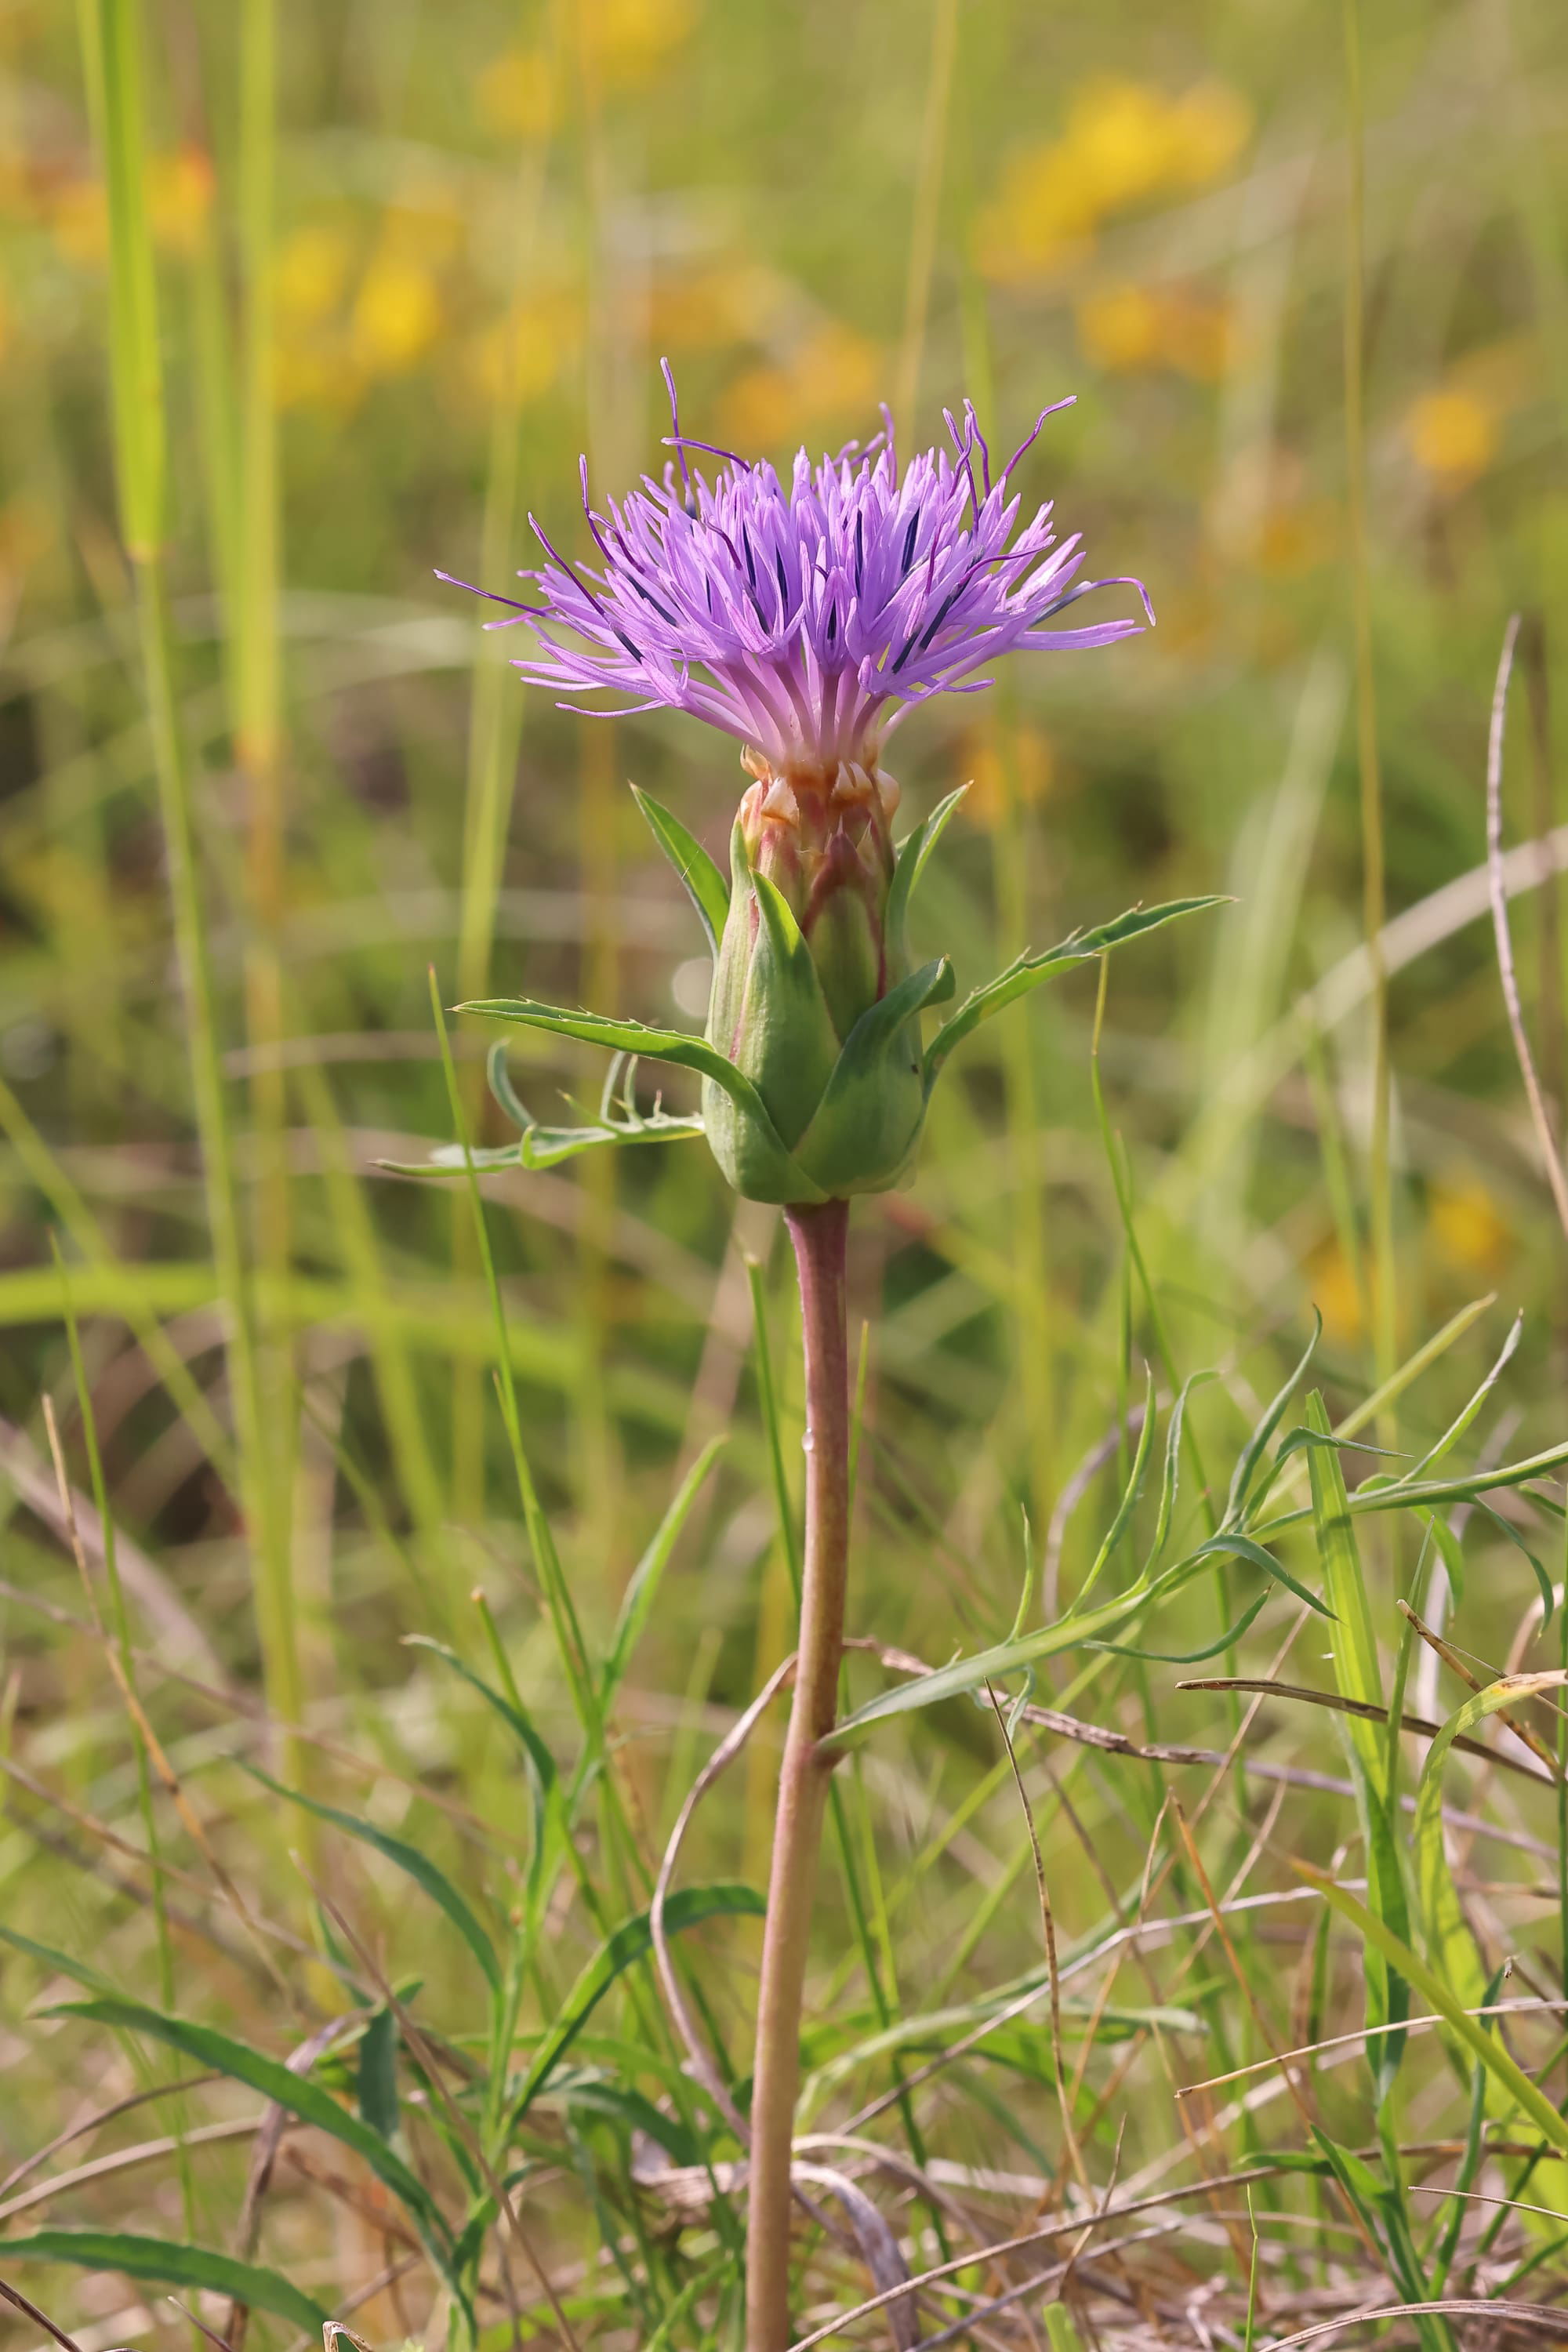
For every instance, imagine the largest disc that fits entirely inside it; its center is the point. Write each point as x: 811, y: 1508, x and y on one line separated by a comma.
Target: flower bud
x: 813, y: 944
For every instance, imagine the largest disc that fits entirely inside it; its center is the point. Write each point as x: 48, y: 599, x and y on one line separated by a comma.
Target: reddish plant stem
x: 818, y: 1235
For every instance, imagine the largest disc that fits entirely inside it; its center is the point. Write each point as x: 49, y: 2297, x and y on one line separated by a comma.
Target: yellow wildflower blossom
x: 180, y: 190
x: 396, y: 315
x: 312, y: 271
x: 516, y: 94
x: 79, y: 222
x: 1453, y: 436
x: 1467, y: 1229
x: 833, y: 379
x: 1206, y: 132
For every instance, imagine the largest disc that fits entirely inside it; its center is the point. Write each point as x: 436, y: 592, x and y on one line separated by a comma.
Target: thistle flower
x: 807, y: 622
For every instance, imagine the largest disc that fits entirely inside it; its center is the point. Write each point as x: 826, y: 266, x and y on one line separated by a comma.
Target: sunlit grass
x: 280, y: 333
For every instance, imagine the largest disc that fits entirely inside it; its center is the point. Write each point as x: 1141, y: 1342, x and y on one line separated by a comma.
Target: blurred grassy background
x: 396, y: 305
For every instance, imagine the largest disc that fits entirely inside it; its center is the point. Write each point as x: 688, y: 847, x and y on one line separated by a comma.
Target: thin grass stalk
x: 120, y: 1634
x: 819, y: 1236
x: 1384, y: 1300
x: 495, y: 732
x: 1010, y: 882
x: 927, y: 209
x: 600, y: 1473
x: 113, y: 47
x: 253, y: 625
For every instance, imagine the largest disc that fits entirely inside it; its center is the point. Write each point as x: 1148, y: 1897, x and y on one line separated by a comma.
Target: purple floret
x: 805, y: 620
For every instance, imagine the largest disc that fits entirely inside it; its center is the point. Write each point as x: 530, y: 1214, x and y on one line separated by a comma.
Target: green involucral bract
x: 814, y: 1073
x: 813, y: 1000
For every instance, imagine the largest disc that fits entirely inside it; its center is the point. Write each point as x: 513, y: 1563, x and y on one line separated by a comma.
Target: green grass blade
x: 631, y: 1942
x: 642, y: 1590
x: 405, y: 1857
x: 1529, y: 2101
x: 163, y: 2261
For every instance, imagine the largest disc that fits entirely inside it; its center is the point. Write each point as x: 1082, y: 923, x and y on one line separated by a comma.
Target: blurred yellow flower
x: 396, y: 315
x: 833, y: 379
x: 1118, y: 142
x: 179, y: 191
x: 1467, y: 1230
x: 629, y: 40
x: 1127, y: 327
x: 521, y: 354
x: 1121, y: 326
x: 1019, y: 766
x: 1206, y: 132
x: 726, y: 302
x: 1040, y: 215
x: 1123, y: 142
x: 312, y: 271
x: 78, y: 221
x: 1334, y: 1291
x: 516, y: 94
x: 1453, y: 436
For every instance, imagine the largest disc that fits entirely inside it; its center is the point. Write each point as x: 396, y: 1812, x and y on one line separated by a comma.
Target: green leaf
x: 377, y: 2085
x: 545, y: 1146
x: 544, y: 1781
x: 1187, y: 1657
x: 1129, y: 1502
x: 405, y: 1857
x: 1257, y: 1444
x: 632, y: 2109
x: 642, y: 1590
x: 1236, y: 1545
x: 966, y: 1674
x: 863, y: 1121
x: 1358, y: 1676
x: 913, y: 852
x: 705, y: 885
x: 1486, y: 2047
x: 676, y: 1045
x: 1029, y: 970
x: 631, y: 1942
x: 1458, y: 1426
x: 220, y: 2053
x: 165, y: 2262
x: 1446, y: 1935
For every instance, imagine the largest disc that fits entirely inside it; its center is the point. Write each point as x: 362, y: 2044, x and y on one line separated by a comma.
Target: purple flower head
x: 806, y: 619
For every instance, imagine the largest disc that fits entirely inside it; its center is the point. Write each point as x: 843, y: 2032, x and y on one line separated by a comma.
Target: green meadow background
x: 407, y: 262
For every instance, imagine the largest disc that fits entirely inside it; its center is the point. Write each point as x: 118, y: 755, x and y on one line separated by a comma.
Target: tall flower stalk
x: 806, y: 619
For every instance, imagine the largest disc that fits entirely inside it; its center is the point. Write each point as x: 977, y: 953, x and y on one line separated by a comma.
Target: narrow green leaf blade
x: 163, y: 2262
x: 403, y: 1858
x: 705, y: 886
x: 1029, y: 970
x: 631, y: 1942
x: 642, y: 1590
x: 297, y: 2094
x: 1486, y: 2047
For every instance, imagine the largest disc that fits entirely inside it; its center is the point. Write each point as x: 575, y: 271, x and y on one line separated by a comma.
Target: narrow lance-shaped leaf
x: 1257, y: 1444
x: 1446, y: 1936
x: 1531, y: 2101
x: 631, y: 1942
x: 406, y: 1858
x: 706, y: 885
x: 1029, y: 970
x: 1359, y: 1678
x: 163, y: 2262
x: 642, y: 1590
x: 220, y: 2053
